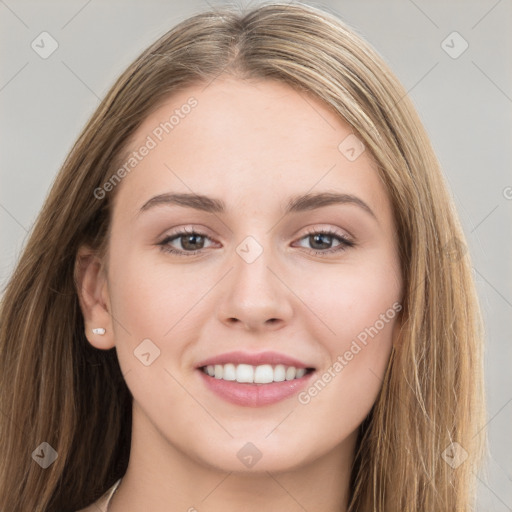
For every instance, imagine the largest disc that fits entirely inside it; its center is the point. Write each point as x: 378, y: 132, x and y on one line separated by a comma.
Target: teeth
x: 300, y: 373
x: 264, y: 374
x: 229, y: 372
x: 246, y: 373
x: 290, y: 373
x: 279, y: 373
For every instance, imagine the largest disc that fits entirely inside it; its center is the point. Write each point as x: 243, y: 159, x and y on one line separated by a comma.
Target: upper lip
x: 254, y: 359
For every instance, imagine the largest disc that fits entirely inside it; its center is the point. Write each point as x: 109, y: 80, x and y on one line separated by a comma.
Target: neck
x: 161, y: 478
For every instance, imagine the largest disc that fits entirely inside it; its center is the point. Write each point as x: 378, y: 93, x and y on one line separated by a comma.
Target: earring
x: 99, y: 330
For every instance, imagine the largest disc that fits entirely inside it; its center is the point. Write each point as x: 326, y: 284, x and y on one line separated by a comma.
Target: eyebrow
x: 299, y: 203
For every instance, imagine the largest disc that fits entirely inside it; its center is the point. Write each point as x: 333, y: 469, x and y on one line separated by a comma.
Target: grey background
x: 465, y: 104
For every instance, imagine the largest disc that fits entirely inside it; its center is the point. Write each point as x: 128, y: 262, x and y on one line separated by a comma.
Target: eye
x: 191, y: 241
x: 321, y: 241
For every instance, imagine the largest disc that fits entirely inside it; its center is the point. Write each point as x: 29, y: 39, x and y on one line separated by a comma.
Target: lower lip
x: 254, y: 395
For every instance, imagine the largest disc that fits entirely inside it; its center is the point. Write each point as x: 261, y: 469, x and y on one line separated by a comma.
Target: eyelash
x: 345, y: 243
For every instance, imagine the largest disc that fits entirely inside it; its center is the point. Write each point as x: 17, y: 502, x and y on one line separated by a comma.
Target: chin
x: 241, y: 455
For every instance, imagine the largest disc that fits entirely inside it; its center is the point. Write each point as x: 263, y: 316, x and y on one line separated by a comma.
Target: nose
x: 254, y: 294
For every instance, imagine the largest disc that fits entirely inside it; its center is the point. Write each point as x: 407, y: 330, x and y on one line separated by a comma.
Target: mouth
x: 254, y: 379
x: 249, y: 374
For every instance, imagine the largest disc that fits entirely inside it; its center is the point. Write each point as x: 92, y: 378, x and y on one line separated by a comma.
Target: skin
x: 252, y: 144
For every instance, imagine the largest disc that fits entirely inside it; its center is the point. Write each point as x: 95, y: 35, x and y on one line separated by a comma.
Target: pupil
x: 190, y: 239
x: 319, y: 236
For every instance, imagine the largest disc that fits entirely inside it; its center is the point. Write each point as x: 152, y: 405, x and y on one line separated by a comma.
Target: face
x: 301, y: 294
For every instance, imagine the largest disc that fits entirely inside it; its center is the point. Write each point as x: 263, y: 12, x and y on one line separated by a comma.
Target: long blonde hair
x: 56, y: 388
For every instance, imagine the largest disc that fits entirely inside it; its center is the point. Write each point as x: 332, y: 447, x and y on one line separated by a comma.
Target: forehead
x: 245, y: 140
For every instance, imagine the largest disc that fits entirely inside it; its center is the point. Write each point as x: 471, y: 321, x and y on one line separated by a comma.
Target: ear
x: 92, y: 288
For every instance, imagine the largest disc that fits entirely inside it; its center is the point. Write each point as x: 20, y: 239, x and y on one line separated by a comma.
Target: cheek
x: 147, y: 299
x: 351, y: 299
x: 144, y: 281
x: 358, y: 308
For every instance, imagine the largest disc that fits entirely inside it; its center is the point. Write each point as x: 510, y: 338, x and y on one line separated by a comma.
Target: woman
x: 320, y: 348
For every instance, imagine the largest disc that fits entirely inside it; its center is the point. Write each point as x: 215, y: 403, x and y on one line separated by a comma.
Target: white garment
x: 102, y: 503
